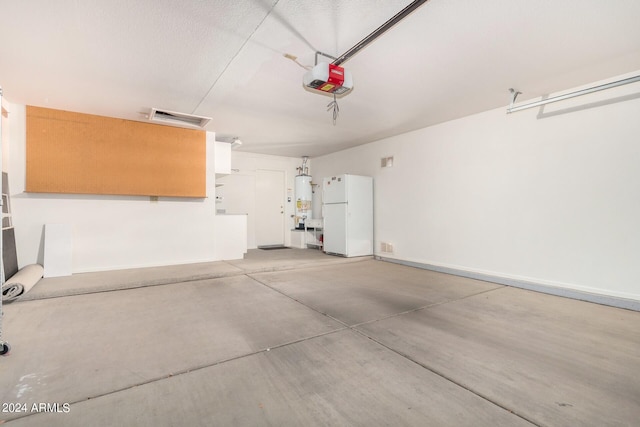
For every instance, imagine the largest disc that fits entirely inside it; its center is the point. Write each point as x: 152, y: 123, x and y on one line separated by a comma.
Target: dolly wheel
x: 4, y: 348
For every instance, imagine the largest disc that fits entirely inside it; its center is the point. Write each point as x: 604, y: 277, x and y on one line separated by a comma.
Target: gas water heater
x: 303, y: 192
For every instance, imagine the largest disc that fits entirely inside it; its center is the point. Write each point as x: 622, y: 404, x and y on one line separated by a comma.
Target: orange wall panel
x: 86, y: 154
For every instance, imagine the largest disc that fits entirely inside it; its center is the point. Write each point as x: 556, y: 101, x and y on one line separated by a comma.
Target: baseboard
x: 612, y: 301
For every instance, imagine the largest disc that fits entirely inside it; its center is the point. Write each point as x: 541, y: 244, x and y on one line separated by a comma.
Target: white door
x: 335, y: 228
x: 270, y: 190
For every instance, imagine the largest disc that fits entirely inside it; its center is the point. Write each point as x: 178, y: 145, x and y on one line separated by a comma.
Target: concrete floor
x: 299, y: 338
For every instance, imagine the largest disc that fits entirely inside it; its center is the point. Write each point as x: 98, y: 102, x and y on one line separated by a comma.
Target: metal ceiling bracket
x: 514, y: 95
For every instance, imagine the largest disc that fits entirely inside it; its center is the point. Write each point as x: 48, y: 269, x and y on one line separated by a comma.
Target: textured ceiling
x: 224, y: 59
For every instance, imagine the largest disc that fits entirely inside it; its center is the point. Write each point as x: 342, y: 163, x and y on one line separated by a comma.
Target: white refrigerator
x: 347, y: 209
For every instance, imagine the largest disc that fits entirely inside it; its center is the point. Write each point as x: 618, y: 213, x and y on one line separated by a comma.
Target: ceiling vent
x: 174, y: 118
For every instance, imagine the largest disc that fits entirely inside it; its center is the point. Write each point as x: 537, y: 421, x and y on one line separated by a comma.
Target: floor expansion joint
x: 355, y: 329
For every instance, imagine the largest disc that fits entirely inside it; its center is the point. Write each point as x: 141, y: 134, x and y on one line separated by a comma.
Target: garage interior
x: 180, y: 278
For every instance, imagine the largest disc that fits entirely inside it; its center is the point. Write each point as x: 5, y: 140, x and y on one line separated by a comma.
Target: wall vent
x: 386, y: 162
x: 175, y: 118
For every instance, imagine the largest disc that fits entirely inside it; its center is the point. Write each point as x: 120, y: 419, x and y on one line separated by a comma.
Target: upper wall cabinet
x: 222, y: 158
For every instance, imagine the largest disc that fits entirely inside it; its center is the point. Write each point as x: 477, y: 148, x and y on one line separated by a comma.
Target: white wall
x: 109, y: 232
x: 5, y: 132
x: 239, y: 189
x: 554, y: 200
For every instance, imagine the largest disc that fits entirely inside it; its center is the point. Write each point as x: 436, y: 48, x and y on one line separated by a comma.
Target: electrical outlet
x: 386, y: 247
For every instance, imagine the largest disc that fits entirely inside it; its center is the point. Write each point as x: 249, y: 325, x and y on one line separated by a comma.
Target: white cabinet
x: 222, y: 167
x: 230, y: 230
x: 222, y: 156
